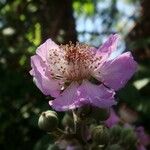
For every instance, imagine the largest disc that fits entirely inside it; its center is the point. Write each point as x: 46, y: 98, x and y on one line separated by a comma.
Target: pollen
x: 71, y: 62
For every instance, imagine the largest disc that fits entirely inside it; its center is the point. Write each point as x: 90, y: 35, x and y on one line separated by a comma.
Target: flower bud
x: 67, y: 121
x: 128, y: 138
x: 114, y: 147
x: 115, y: 133
x: 100, y: 135
x: 48, y: 121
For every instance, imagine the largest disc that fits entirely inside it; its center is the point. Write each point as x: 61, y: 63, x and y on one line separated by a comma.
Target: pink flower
x: 113, y: 119
x: 68, y: 73
x: 143, y: 138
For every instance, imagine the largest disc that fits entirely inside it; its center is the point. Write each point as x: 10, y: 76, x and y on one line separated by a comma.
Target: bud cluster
x: 85, y: 129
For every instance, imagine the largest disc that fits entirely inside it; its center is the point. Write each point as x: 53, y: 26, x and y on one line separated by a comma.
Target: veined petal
x: 45, y: 84
x: 43, y: 49
x: 96, y: 95
x: 110, y: 45
x: 68, y: 99
x: 104, y: 51
x: 115, y: 73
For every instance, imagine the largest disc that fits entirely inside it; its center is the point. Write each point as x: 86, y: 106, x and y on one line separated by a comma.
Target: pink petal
x: 47, y: 85
x: 68, y: 99
x: 103, y: 53
x: 112, y: 120
x: 97, y: 95
x: 143, y: 137
x: 77, y: 95
x: 115, y: 73
x: 43, y: 49
x: 108, y: 47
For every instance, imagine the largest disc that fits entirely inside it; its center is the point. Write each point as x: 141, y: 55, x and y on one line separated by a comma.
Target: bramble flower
x: 113, y: 119
x: 77, y: 74
x: 143, y: 138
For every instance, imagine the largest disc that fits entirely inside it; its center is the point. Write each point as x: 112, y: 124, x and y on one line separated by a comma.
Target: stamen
x: 71, y: 62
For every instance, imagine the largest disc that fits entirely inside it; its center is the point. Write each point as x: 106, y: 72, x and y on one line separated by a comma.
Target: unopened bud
x: 48, y: 121
x: 67, y: 121
x: 100, y: 135
x: 115, y: 133
x: 128, y: 138
x: 114, y: 147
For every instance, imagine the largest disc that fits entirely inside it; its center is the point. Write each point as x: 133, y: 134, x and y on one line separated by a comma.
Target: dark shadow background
x: 24, y: 24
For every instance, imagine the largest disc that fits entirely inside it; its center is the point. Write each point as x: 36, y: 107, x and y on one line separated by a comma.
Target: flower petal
x: 112, y: 120
x: 46, y: 85
x: 96, y: 95
x: 87, y: 93
x: 115, y: 73
x: 68, y: 99
x: 43, y: 49
x: 110, y: 45
x: 143, y: 137
x: 104, y: 51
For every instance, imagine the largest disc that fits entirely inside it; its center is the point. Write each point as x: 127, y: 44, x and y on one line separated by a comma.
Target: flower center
x: 71, y: 62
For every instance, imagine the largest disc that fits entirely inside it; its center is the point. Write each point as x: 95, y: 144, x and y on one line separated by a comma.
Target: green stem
x: 75, y: 119
x: 79, y: 127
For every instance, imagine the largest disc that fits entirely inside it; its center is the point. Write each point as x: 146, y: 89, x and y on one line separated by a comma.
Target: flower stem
x: 75, y: 119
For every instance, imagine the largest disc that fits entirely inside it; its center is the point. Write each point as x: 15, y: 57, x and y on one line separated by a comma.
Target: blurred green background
x: 24, y: 24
